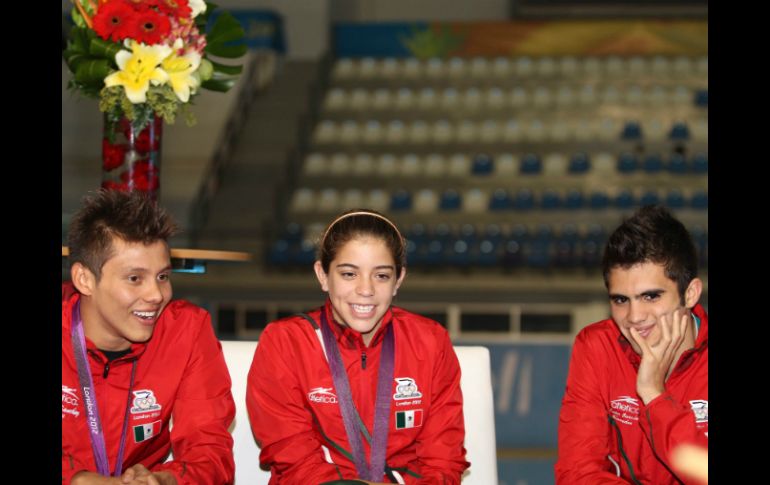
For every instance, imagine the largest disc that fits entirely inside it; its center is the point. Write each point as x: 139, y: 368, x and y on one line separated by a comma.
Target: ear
x: 83, y: 279
x: 321, y: 275
x: 692, y: 293
x: 400, y: 280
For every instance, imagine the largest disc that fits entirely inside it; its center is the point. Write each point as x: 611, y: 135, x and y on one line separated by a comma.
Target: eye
x: 164, y: 277
x: 134, y: 278
x: 651, y: 297
x: 382, y: 276
x: 348, y: 275
x: 618, y: 300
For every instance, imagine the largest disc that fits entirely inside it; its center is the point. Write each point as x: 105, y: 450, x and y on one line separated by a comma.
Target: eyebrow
x: 145, y: 270
x: 653, y: 292
x: 350, y: 265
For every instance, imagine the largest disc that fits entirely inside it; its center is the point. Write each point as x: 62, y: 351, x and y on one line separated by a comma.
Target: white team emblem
x: 701, y: 410
x: 406, y: 388
x: 322, y: 395
x: 69, y: 401
x: 144, y: 400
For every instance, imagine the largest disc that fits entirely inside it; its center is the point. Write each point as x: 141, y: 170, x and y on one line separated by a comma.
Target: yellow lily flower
x: 138, y: 68
x: 181, y: 72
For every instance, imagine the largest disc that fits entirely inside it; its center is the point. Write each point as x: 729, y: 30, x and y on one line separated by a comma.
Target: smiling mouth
x: 645, y: 331
x: 362, y: 309
x: 147, y: 316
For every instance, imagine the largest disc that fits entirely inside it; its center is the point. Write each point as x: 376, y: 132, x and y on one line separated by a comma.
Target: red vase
x: 130, y: 157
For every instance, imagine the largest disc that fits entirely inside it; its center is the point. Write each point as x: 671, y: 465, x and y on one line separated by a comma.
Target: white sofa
x: 478, y: 408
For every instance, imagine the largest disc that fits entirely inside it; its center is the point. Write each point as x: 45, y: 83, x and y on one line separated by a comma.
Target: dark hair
x: 652, y: 234
x: 107, y: 214
x: 357, y: 223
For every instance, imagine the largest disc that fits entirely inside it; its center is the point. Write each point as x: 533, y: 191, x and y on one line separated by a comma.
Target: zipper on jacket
x: 106, y: 370
x: 363, y: 359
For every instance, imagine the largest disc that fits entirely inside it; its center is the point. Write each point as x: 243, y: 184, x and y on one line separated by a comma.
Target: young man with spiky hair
x: 638, y: 382
x: 132, y: 359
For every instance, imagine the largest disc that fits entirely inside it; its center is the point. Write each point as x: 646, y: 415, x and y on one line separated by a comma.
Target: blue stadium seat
x: 500, y: 200
x: 305, y: 256
x: 677, y: 164
x: 279, y: 253
x: 292, y: 233
x: 519, y: 232
x: 417, y: 233
x: 579, y: 164
x: 700, y: 163
x: 482, y: 165
x: 434, y: 253
x: 494, y: 233
x: 524, y: 200
x: 590, y: 254
x: 538, y: 254
x: 512, y: 256
x: 652, y: 163
x: 679, y: 132
x: 442, y: 232
x: 599, y: 200
x: 625, y: 199
x: 649, y: 197
x: 702, y: 98
x: 566, y: 245
x: 531, y: 164
x: 627, y: 163
x: 632, y: 130
x: 458, y: 254
x: 700, y: 200
x: 550, y: 200
x: 412, y: 253
x: 675, y: 199
x: 401, y: 200
x: 485, y: 253
x: 467, y: 233
x: 574, y: 199
x: 450, y: 200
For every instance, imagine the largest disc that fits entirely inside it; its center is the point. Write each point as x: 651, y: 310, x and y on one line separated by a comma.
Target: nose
x: 365, y: 287
x: 154, y: 293
x: 636, y: 313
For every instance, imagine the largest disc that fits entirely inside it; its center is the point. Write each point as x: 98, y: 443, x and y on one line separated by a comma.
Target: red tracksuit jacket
x: 292, y: 401
x: 601, y: 414
x: 181, y: 372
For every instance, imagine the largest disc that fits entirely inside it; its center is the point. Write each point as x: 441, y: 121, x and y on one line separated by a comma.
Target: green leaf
x: 92, y: 71
x: 225, y: 29
x: 221, y: 85
x: 77, y: 18
x: 227, y: 51
x: 225, y: 69
x: 104, y: 49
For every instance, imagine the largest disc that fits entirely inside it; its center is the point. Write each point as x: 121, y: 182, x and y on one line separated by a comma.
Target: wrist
x: 648, y: 394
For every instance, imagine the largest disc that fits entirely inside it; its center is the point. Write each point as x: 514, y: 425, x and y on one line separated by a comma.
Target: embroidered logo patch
x: 406, y: 388
x: 409, y: 419
x: 69, y: 401
x: 701, y: 410
x: 143, y: 432
x: 144, y: 401
x: 625, y: 409
x: 322, y: 395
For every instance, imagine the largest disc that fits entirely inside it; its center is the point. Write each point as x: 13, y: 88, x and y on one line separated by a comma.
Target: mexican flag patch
x: 143, y: 432
x: 409, y: 419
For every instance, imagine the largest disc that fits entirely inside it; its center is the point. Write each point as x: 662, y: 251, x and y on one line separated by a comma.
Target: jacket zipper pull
x: 106, y: 370
x: 363, y: 360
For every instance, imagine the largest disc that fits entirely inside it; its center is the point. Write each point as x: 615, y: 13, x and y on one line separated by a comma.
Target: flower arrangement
x: 148, y: 58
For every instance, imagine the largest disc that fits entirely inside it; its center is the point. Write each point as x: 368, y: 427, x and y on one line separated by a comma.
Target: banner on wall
x: 531, y: 38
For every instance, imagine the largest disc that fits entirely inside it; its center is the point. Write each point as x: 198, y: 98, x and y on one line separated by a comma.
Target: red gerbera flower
x: 150, y: 27
x: 113, y: 21
x: 179, y: 9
